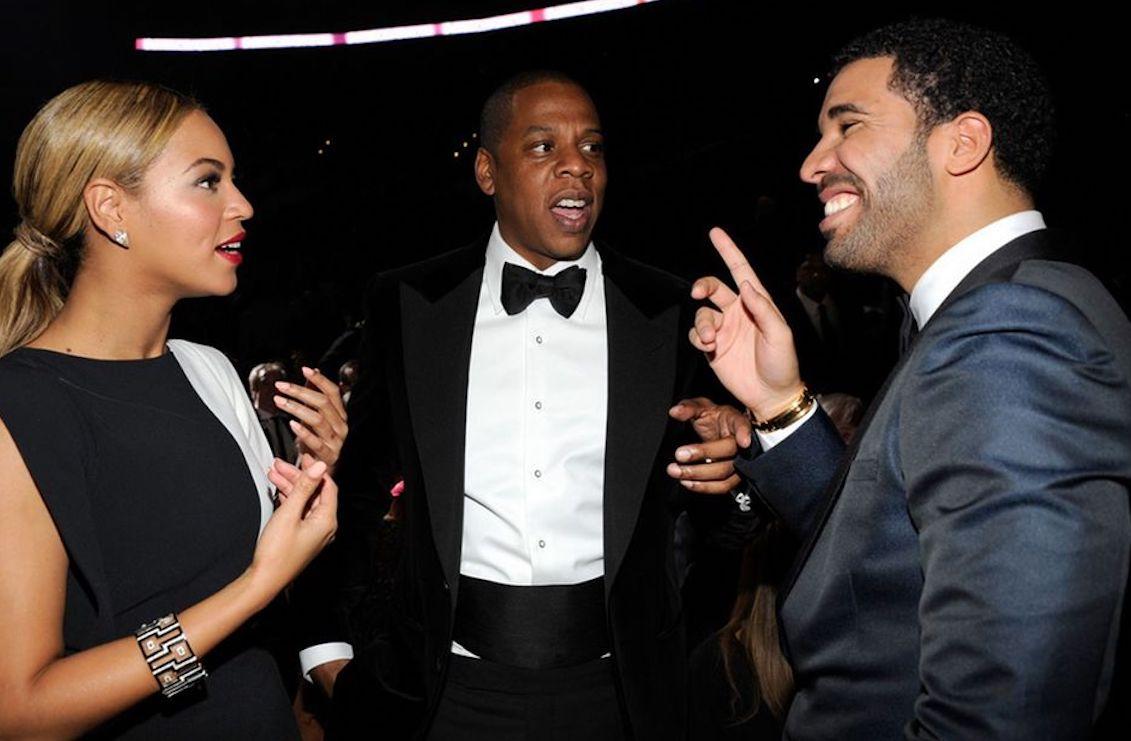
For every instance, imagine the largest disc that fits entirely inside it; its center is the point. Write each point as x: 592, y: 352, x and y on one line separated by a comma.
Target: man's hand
x: 746, y: 339
x: 708, y: 467
x: 324, y: 675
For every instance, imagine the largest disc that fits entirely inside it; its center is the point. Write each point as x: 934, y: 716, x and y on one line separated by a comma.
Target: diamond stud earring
x: 122, y: 238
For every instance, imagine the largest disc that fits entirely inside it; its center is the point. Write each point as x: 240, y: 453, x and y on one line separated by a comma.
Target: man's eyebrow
x: 842, y: 108
x: 542, y: 129
x: 207, y: 161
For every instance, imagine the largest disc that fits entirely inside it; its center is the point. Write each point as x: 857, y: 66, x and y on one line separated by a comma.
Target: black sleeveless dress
x: 156, y: 507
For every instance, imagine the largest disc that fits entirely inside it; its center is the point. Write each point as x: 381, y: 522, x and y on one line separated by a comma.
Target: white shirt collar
x: 946, y: 272
x: 499, y: 253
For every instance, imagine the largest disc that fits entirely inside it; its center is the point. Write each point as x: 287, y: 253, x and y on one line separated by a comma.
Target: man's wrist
x: 782, y: 412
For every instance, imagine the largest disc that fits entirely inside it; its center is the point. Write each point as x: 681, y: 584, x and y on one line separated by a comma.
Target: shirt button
x: 541, y: 544
x: 538, y: 339
x: 537, y: 473
x: 537, y: 405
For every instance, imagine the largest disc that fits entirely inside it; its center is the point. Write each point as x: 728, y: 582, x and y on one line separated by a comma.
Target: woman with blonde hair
x: 741, y: 682
x: 138, y: 536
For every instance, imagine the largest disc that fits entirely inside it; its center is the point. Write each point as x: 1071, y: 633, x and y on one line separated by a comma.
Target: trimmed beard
x: 891, y: 216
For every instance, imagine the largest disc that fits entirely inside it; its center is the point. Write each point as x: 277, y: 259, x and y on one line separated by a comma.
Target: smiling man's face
x: 547, y: 173
x: 871, y: 170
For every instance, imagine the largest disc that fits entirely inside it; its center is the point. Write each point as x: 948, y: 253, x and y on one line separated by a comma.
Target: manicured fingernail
x: 683, y: 455
x: 316, y: 470
x: 282, y: 385
x: 281, y: 401
x: 308, y: 372
x: 674, y: 471
x: 294, y: 425
x: 688, y: 484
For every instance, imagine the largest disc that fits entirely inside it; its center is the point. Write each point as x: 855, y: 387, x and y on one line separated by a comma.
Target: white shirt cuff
x: 769, y: 439
x: 316, y: 656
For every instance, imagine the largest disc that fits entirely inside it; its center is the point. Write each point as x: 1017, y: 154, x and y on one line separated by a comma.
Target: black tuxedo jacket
x: 964, y: 566
x: 407, y: 417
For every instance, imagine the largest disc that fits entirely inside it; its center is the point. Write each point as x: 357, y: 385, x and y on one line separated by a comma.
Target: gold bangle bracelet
x: 796, y: 411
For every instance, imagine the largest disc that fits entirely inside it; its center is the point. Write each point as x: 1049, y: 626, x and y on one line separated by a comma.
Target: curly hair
x: 944, y: 68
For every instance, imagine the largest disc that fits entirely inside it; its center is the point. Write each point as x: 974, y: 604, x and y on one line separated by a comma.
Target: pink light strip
x: 392, y: 33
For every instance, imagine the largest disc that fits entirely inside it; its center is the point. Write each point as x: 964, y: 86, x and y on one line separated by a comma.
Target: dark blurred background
x: 709, y: 108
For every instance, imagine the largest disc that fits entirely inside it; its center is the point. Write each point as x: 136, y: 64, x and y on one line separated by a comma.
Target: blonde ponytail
x: 31, y: 289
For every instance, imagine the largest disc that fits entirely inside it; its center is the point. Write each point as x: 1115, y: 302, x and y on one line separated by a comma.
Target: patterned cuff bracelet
x: 170, y: 658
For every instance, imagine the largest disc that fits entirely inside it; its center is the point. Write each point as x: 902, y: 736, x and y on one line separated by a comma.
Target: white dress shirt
x: 534, y: 462
x: 945, y: 273
x: 537, y: 400
x: 942, y: 277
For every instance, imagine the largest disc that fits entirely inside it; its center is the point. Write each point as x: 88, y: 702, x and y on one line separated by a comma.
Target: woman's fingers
x: 312, y: 407
x: 330, y: 389
x: 303, y: 488
x: 309, y: 440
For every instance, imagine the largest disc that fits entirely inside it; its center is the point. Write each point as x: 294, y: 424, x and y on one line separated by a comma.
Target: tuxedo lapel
x: 998, y: 266
x: 438, y: 319
x: 642, y: 367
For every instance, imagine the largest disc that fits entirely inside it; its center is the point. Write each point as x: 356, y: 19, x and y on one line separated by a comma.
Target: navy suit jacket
x: 964, y: 565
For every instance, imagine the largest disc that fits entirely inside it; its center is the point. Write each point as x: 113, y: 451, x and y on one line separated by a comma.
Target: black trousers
x: 485, y: 701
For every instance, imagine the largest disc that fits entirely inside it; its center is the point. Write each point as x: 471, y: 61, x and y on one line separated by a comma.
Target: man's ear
x: 104, y: 200
x: 485, y: 171
x: 970, y: 138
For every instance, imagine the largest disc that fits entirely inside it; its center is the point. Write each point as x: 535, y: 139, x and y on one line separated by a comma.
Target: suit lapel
x: 642, y: 367
x: 438, y: 318
x: 998, y: 266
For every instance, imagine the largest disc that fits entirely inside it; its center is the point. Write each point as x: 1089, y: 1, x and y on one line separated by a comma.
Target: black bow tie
x: 522, y: 286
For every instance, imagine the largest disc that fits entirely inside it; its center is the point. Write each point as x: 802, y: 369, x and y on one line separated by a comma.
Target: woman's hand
x: 320, y: 426
x: 303, y: 524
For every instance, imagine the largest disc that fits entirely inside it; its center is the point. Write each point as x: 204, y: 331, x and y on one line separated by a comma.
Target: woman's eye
x: 209, y: 182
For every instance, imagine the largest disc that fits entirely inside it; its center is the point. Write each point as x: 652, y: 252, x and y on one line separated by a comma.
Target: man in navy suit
x: 964, y: 564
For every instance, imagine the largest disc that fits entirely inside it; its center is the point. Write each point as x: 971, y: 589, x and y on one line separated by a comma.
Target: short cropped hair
x: 496, y: 113
x: 944, y: 68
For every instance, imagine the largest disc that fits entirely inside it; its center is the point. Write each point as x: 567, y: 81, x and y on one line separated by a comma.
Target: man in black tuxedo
x: 522, y: 387
x: 964, y: 564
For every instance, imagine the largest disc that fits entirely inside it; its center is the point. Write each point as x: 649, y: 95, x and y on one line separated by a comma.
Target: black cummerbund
x: 535, y: 627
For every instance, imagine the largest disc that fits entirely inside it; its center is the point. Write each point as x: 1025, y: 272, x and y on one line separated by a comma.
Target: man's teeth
x: 571, y: 203
x: 838, y: 203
